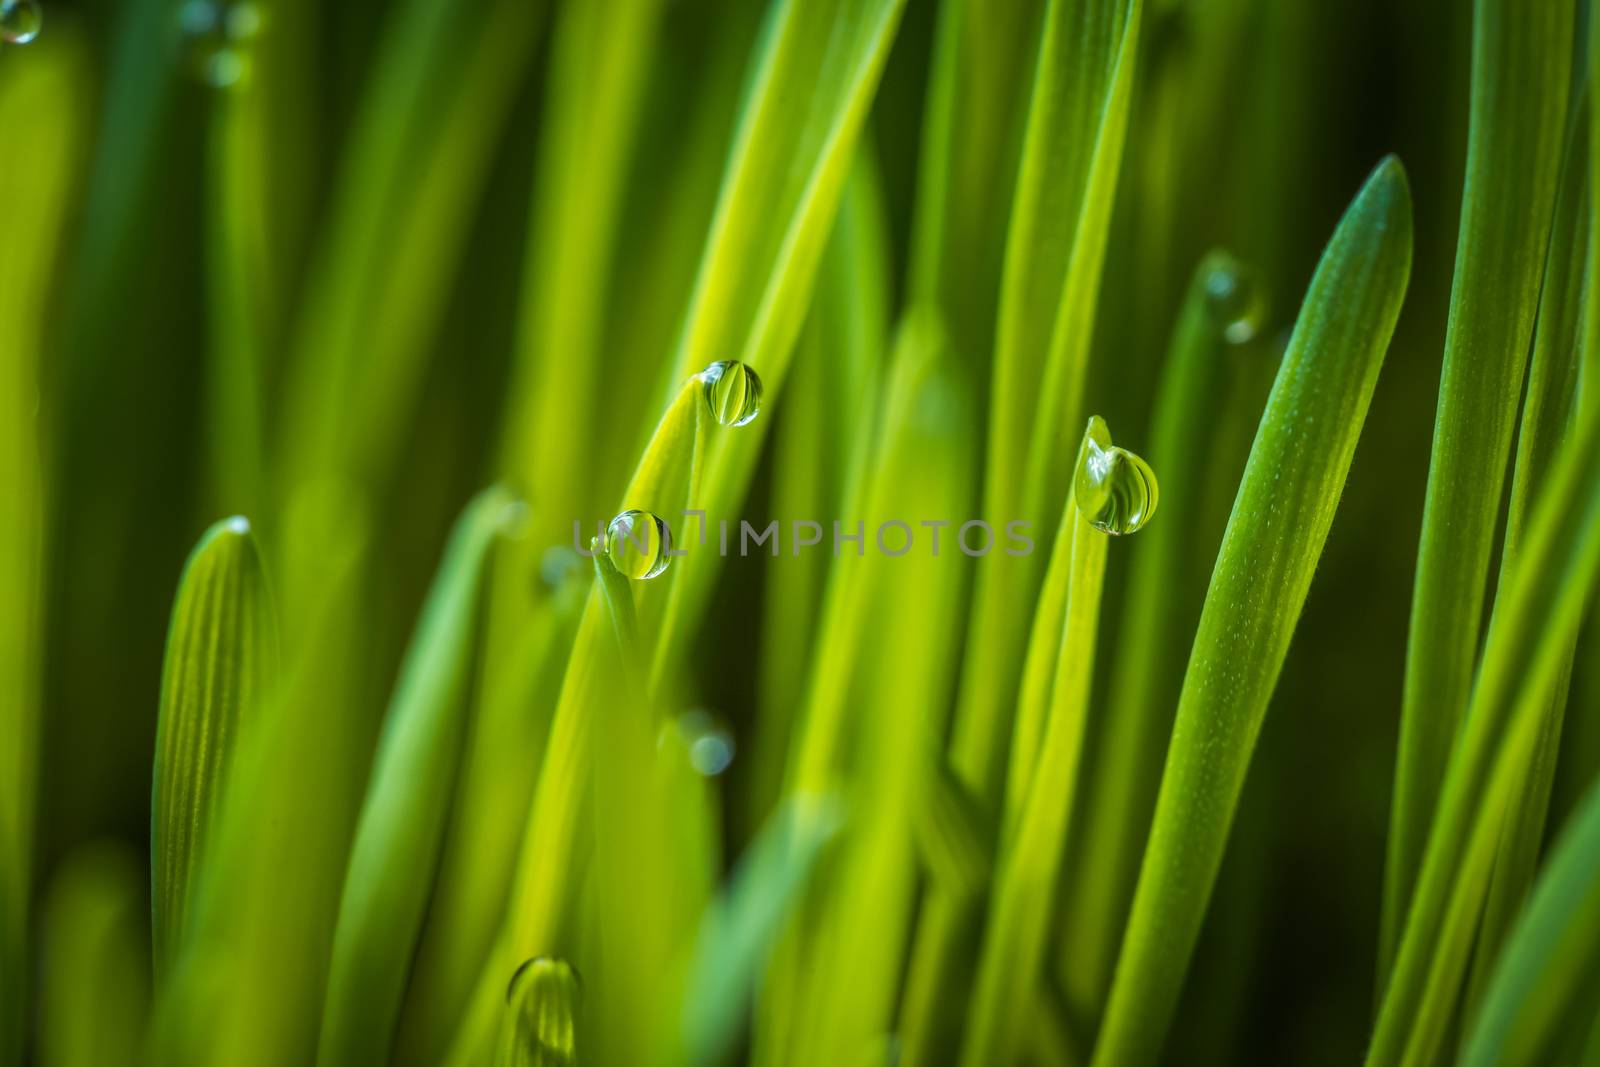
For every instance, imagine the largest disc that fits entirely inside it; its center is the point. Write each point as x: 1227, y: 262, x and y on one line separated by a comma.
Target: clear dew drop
x: 637, y: 543
x: 1115, y: 490
x: 1236, y: 299
x: 732, y: 391
x: 20, y: 21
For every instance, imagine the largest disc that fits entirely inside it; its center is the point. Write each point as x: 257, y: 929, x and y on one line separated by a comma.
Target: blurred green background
x: 1254, y: 121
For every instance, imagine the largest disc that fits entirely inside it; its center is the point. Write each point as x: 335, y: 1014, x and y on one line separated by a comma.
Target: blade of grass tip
x: 597, y: 72
x: 1520, y: 71
x: 815, y: 76
x: 41, y: 134
x: 898, y: 656
x: 400, y: 833
x: 1546, y: 416
x: 1022, y: 901
x: 540, y: 909
x: 96, y: 964
x: 1077, y: 122
x: 1280, y: 520
x: 1550, y: 956
x: 539, y: 1026
x: 1540, y: 607
x: 221, y: 660
x: 1190, y: 437
x: 423, y: 138
x: 268, y: 893
x: 741, y: 927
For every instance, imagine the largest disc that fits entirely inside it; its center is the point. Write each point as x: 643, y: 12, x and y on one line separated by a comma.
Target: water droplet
x: 637, y: 543
x: 709, y: 745
x: 732, y: 391
x: 217, y: 37
x: 1115, y: 489
x: 1236, y: 299
x: 543, y: 997
x: 20, y: 20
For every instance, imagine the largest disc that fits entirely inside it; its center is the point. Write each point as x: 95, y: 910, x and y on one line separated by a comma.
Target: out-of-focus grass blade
x: 597, y: 70
x: 955, y: 836
x: 1546, y: 419
x: 422, y: 140
x: 41, y: 129
x: 1536, y: 615
x: 1191, y: 449
x: 742, y: 925
x: 1281, y: 517
x: 1550, y: 957
x: 399, y: 836
x: 1521, y: 66
x: 221, y: 662
x: 890, y: 633
x: 96, y: 965
x: 1077, y: 121
x: 1022, y: 901
x: 539, y: 1028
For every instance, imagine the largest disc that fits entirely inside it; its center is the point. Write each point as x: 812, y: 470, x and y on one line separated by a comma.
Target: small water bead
x: 1236, y: 299
x: 20, y: 21
x: 732, y: 391
x: 217, y: 36
x: 709, y: 745
x: 1115, y: 490
x: 637, y: 543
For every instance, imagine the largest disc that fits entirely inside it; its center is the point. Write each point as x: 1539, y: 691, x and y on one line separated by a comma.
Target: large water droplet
x: 1115, y: 490
x: 20, y: 20
x: 543, y: 997
x: 732, y: 391
x: 637, y: 543
x: 1236, y: 299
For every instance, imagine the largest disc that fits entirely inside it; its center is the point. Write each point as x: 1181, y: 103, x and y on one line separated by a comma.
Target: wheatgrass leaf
x: 221, y: 660
x: 399, y: 835
x: 1521, y: 66
x: 1206, y: 394
x: 41, y: 133
x: 1280, y: 520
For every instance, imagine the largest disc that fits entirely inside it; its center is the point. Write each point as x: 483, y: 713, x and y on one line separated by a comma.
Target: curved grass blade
x: 1207, y: 404
x: 221, y: 659
x: 1551, y: 956
x: 1280, y: 520
x: 41, y: 129
x: 1546, y: 420
x: 400, y: 833
x: 1023, y: 899
x: 1521, y: 68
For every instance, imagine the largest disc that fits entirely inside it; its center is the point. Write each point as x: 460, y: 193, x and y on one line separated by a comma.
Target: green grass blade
x: 740, y: 929
x: 41, y: 129
x: 1023, y: 898
x: 96, y: 963
x: 1207, y: 392
x: 1551, y: 956
x: 399, y: 836
x: 1521, y: 68
x: 1077, y: 121
x: 1546, y: 419
x: 1285, y: 506
x: 221, y: 660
